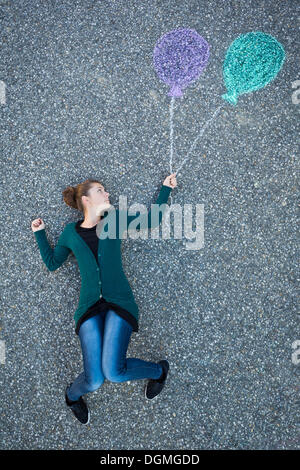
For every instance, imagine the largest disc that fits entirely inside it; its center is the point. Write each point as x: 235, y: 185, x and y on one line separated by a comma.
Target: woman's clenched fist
x: 37, y: 224
x: 171, y: 181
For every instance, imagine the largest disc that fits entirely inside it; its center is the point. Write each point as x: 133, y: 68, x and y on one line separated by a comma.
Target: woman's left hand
x: 171, y: 181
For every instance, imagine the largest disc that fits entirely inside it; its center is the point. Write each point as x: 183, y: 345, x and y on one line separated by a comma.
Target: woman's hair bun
x: 69, y: 195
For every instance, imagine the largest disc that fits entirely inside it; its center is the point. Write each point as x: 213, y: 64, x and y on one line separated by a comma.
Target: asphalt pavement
x: 80, y: 99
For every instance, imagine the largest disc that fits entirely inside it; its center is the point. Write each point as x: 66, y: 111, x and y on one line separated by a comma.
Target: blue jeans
x: 104, y: 341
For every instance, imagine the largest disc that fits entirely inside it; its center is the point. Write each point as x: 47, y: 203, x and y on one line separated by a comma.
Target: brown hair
x: 72, y: 194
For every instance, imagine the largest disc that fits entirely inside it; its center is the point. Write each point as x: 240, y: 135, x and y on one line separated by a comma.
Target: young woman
x: 107, y: 312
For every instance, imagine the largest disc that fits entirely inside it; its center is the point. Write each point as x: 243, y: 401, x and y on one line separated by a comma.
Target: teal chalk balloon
x: 251, y: 62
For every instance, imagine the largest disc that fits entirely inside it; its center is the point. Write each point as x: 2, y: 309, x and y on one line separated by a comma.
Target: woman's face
x: 98, y: 197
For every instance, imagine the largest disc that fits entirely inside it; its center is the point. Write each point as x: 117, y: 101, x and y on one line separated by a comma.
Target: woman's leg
x: 91, y: 339
x: 116, y: 367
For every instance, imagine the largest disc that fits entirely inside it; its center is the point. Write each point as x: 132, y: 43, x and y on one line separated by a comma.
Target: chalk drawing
x: 171, y: 132
x: 171, y: 138
x: 179, y: 57
x: 200, y: 135
x: 252, y: 61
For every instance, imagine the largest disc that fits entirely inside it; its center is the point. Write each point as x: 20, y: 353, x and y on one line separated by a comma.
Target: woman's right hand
x: 37, y: 224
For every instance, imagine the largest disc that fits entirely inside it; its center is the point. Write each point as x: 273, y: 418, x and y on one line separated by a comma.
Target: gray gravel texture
x: 83, y: 100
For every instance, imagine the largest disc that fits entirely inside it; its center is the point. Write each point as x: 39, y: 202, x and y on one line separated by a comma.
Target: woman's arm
x: 167, y: 186
x: 53, y: 258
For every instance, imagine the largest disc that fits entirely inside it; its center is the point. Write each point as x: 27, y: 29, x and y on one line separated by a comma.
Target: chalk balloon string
x: 198, y: 137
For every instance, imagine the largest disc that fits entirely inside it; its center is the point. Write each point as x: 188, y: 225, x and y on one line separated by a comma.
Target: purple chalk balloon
x: 179, y: 57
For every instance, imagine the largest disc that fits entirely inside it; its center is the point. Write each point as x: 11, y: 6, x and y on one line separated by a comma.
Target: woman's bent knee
x: 114, y: 375
x: 111, y: 371
x: 115, y: 378
x: 95, y: 384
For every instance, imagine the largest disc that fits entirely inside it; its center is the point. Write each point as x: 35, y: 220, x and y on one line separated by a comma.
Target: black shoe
x: 155, y: 386
x: 79, y: 408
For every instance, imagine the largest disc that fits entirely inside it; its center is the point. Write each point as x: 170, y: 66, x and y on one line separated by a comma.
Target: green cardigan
x: 106, y: 279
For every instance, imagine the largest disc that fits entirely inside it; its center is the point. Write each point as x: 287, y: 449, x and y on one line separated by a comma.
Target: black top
x: 90, y: 237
